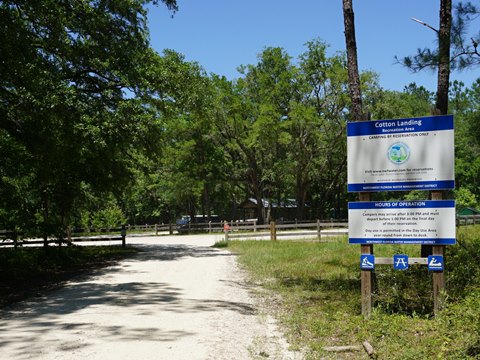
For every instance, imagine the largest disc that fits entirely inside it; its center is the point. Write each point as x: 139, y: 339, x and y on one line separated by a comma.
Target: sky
x: 221, y: 35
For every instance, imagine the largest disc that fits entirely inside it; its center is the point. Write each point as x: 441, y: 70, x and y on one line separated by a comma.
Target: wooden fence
x: 273, y: 231
x: 236, y: 230
x: 468, y: 220
x: 9, y: 238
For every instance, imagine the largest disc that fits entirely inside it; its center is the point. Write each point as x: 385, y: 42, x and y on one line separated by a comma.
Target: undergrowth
x: 26, y: 271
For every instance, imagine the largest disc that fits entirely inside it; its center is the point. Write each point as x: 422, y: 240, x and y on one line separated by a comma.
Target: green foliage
x: 413, y: 101
x: 462, y: 263
x: 64, y: 77
x: 221, y: 244
x: 416, y: 195
x: 109, y: 217
x: 92, y: 115
x: 465, y: 198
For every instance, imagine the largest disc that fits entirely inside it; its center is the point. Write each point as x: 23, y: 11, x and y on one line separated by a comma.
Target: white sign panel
x: 429, y: 222
x: 404, y: 154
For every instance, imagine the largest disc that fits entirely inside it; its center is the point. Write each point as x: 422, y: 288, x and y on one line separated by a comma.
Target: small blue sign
x: 367, y: 262
x: 400, y: 262
x: 435, y: 263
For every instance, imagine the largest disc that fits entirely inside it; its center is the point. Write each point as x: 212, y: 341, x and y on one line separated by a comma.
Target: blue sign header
x: 431, y: 123
x: 360, y: 205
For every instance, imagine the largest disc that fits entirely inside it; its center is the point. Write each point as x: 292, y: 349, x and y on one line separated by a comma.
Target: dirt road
x: 179, y: 299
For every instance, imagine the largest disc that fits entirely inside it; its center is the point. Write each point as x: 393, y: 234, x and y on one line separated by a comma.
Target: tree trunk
x: 46, y: 218
x: 353, y: 76
x: 444, y: 56
x: 441, y: 104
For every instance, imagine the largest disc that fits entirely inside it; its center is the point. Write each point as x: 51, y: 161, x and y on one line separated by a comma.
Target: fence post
x: 319, y: 230
x: 123, y: 233
x: 210, y: 227
x: 226, y: 229
x: 170, y: 228
x: 156, y: 229
x: 15, y: 239
x: 273, y: 231
x: 254, y: 225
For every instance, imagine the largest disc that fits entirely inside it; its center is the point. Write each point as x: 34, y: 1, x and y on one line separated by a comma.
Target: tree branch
x: 424, y: 24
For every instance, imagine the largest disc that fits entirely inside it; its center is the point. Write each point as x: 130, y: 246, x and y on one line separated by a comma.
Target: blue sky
x: 223, y: 34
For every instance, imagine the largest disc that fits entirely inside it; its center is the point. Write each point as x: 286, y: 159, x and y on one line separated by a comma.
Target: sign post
x: 401, y: 155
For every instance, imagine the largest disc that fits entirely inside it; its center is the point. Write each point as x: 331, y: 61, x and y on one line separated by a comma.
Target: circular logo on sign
x: 398, y: 153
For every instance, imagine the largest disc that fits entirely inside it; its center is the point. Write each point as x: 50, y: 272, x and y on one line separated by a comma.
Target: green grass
x: 319, y: 288
x: 26, y: 271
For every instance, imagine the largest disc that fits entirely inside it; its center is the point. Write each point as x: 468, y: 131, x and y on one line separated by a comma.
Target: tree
x: 317, y: 149
x: 439, y: 58
x: 444, y: 56
x: 252, y: 119
x: 353, y: 74
x: 69, y: 75
x: 464, y: 45
x: 465, y: 51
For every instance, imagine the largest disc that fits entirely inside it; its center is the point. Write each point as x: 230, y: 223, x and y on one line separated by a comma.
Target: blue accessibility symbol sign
x: 435, y: 262
x: 400, y: 262
x: 367, y: 262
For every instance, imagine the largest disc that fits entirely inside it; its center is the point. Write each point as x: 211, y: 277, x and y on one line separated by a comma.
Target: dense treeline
x: 98, y: 129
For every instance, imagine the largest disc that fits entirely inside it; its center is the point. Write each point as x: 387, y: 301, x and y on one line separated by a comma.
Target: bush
x: 107, y: 218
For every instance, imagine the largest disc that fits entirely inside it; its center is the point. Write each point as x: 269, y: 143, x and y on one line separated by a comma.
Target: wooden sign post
x: 366, y: 275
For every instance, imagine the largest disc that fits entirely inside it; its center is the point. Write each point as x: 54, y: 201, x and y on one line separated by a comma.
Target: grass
x: 319, y: 288
x: 25, y: 272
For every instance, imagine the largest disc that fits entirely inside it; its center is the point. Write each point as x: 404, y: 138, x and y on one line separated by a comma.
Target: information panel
x: 403, y: 154
x: 429, y: 222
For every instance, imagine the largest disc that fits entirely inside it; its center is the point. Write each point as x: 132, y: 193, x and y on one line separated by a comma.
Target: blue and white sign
x: 425, y: 222
x: 435, y: 263
x: 367, y: 262
x: 403, y: 154
x: 400, y: 262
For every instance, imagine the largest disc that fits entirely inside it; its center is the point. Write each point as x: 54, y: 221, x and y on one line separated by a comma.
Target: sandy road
x: 179, y: 299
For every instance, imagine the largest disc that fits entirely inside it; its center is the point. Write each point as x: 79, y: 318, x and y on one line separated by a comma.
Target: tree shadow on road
x: 45, y: 315
x: 176, y: 252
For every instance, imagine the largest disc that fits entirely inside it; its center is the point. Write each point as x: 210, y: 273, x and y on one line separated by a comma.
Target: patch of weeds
x: 403, y: 292
x: 221, y: 244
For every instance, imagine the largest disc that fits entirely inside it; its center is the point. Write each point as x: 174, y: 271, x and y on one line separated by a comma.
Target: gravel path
x: 179, y: 299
